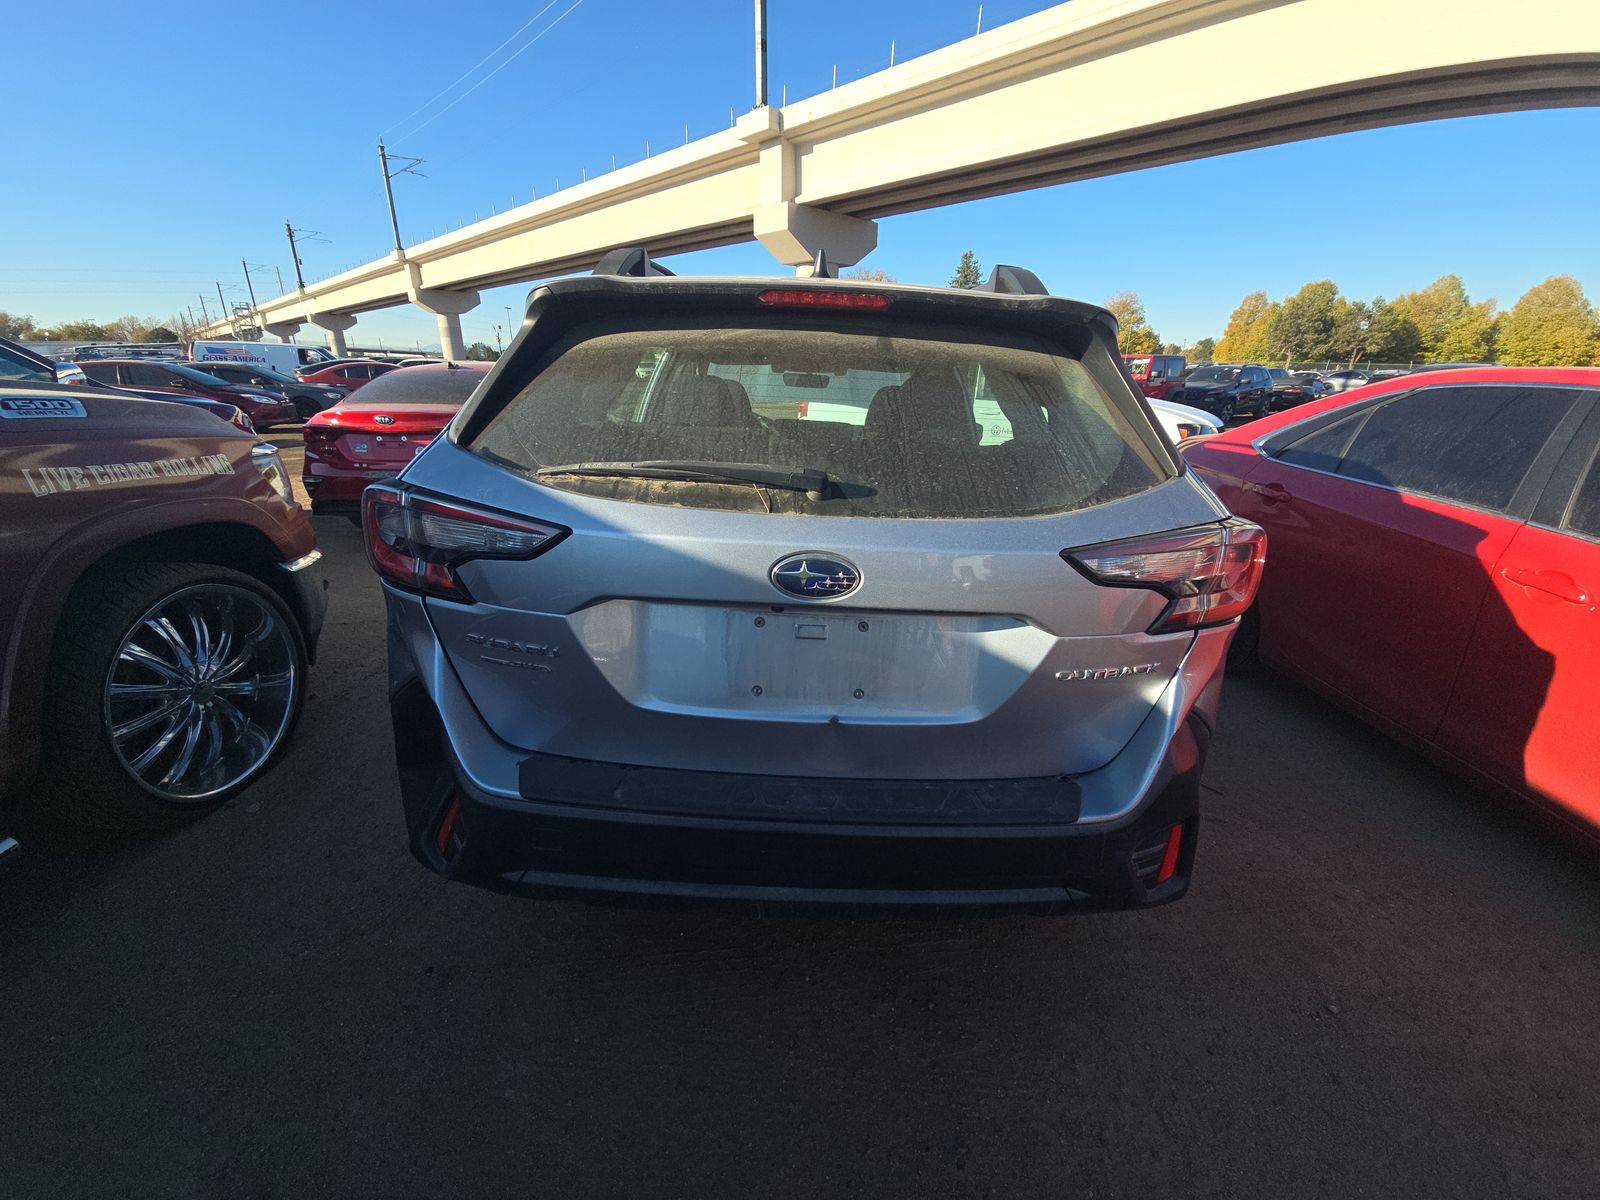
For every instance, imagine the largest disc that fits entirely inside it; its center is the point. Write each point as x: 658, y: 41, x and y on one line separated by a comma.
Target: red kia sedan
x: 376, y: 434
x: 348, y: 374
x: 1436, y: 565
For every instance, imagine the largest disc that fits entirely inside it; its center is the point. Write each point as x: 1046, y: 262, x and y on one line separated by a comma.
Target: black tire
x: 84, y: 778
x: 306, y: 407
x: 1225, y: 410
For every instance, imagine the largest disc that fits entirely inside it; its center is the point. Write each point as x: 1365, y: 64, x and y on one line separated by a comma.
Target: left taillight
x: 416, y: 542
x: 1210, y: 574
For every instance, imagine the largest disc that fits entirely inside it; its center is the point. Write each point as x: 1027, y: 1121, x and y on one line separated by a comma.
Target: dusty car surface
x: 655, y: 631
x: 160, y: 598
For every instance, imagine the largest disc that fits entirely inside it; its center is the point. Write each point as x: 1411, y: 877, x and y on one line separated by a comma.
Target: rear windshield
x: 936, y: 425
x: 410, y: 385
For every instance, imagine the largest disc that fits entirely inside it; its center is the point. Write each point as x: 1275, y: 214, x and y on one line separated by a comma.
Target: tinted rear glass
x: 411, y: 385
x: 936, y: 425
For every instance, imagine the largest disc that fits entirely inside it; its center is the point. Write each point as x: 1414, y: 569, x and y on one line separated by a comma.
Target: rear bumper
x: 338, y: 490
x: 600, y: 831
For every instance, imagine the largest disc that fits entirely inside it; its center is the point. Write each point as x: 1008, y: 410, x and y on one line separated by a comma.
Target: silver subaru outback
x: 807, y: 591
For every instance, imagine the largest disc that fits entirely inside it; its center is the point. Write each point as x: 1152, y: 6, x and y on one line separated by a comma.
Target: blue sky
x: 150, y: 156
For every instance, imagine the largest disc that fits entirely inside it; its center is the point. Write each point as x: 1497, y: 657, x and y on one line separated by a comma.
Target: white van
x: 284, y: 358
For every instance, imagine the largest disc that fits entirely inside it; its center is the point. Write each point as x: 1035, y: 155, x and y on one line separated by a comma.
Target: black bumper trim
x: 1050, y: 800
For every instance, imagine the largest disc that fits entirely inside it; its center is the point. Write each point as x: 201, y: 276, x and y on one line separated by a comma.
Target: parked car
x: 1157, y: 375
x: 1436, y: 565
x: 1353, y: 377
x: 18, y: 364
x: 308, y: 398
x: 1290, y: 389
x: 1227, y: 391
x: 1453, y: 366
x: 349, y: 375
x: 164, y: 594
x: 282, y: 357
x: 1180, y: 421
x: 377, y: 435
x: 646, y: 641
x: 264, y: 408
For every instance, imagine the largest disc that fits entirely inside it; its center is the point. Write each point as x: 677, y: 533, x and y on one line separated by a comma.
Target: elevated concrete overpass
x: 1084, y: 89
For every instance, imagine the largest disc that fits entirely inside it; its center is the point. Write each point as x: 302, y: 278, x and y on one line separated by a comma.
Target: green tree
x: 1447, y: 321
x: 482, y: 352
x: 1552, y: 325
x: 1303, y: 326
x: 1201, y: 351
x: 1171, y: 348
x: 80, y: 331
x: 1471, y: 336
x: 1245, y: 338
x: 1134, y: 335
x: 16, y: 326
x: 968, y: 273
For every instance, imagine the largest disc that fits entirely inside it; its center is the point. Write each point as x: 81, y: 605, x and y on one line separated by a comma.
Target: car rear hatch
x: 911, y: 616
x: 389, y: 438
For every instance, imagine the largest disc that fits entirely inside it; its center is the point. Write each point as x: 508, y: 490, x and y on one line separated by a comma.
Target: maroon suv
x: 265, y: 409
x: 160, y: 597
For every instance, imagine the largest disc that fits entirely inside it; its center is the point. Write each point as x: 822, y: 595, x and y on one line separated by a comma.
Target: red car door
x: 1524, y: 710
x: 1383, y: 530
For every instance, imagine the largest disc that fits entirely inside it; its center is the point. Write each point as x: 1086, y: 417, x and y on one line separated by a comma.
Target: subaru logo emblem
x: 815, y: 576
x: 383, y: 420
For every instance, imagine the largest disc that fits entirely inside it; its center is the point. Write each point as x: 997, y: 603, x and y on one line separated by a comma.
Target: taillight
x: 320, y: 438
x: 796, y: 298
x: 417, y: 543
x: 1210, y: 574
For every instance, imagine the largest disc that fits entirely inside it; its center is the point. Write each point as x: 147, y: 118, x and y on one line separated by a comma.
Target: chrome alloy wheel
x: 201, y: 691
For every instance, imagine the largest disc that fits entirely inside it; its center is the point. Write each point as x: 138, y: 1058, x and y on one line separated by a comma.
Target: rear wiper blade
x: 809, y: 480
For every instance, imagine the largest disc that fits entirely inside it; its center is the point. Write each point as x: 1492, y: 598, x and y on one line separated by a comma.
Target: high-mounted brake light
x: 1210, y: 574
x: 417, y: 543
x: 798, y: 298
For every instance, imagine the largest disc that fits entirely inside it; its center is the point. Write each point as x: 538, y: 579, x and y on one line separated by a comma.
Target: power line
x: 473, y: 67
x: 496, y: 71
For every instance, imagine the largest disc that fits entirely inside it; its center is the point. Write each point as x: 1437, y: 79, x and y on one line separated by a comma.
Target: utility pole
x: 279, y: 271
x: 222, y: 308
x: 294, y: 253
x: 410, y: 168
x: 761, y: 53
x: 250, y: 287
x: 203, y: 311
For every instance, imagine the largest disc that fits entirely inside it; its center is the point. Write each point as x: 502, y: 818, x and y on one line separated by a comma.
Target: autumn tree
x: 1245, y: 338
x: 1471, y: 336
x: 968, y: 273
x: 1134, y: 335
x: 1552, y: 325
x: 1201, y: 351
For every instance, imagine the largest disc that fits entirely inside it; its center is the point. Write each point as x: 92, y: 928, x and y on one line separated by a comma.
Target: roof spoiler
x: 629, y: 260
x: 1012, y: 281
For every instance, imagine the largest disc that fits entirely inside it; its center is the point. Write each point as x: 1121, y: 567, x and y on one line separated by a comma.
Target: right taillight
x: 1210, y: 574
x: 417, y: 542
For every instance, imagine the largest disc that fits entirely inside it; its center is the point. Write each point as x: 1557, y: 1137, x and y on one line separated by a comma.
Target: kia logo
x: 383, y: 420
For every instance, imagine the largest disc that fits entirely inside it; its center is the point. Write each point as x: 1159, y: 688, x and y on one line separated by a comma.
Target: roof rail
x: 1012, y: 281
x: 629, y: 260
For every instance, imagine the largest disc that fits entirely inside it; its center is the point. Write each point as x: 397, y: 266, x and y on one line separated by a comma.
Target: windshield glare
x: 1215, y: 375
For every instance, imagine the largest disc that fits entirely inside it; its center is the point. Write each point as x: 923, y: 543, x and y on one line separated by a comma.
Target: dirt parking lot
x: 1382, y: 984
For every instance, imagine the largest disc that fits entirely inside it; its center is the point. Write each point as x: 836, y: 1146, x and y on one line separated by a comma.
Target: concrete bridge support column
x: 335, y: 324
x: 447, y: 307
x: 284, y: 331
x: 792, y: 232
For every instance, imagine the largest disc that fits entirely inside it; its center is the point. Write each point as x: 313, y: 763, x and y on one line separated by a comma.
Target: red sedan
x: 1436, y: 565
x: 349, y: 374
x: 375, y: 434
